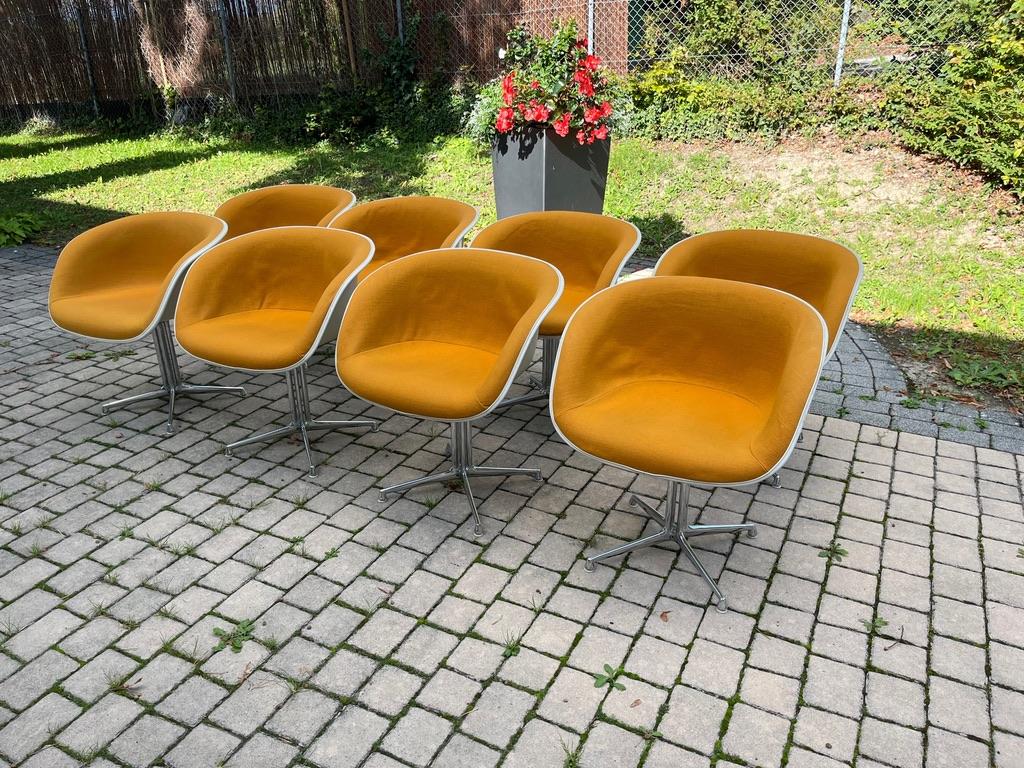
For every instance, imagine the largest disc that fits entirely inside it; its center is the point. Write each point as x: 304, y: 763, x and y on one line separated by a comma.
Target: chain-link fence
x: 91, y: 54
x: 722, y: 38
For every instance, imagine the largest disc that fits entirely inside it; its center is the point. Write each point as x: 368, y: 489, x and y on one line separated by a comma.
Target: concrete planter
x: 535, y: 169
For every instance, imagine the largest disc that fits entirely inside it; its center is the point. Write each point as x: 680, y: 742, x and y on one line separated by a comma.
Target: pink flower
x: 583, y: 81
x: 601, y: 132
x: 562, y: 124
x: 508, y: 88
x: 535, y: 112
x: 505, y: 121
x: 592, y: 114
x: 606, y: 109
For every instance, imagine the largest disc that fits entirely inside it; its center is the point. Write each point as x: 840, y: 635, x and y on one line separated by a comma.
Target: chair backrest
x: 760, y: 344
x: 400, y: 226
x: 589, y: 249
x: 283, y: 205
x: 488, y: 300
x: 311, y: 269
x: 823, y: 273
x: 147, y: 249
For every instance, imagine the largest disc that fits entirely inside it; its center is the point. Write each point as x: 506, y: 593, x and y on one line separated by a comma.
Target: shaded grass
x: 943, y: 267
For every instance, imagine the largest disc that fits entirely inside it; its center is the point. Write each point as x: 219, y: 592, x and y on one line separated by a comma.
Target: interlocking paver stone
x: 145, y: 741
x: 339, y: 585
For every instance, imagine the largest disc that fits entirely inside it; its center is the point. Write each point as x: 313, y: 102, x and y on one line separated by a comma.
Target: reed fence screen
x: 89, y: 54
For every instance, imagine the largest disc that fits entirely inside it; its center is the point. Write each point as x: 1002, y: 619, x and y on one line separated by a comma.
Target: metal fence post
x: 399, y: 22
x: 844, y: 31
x: 590, y: 26
x: 83, y: 42
x: 229, y: 64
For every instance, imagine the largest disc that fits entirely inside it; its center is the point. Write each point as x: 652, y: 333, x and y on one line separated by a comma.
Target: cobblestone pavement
x: 877, y: 619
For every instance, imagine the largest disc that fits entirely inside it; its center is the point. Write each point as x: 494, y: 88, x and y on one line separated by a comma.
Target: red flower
x: 505, y: 120
x: 535, y: 112
x: 583, y: 81
x: 535, y: 84
x: 583, y: 136
x: 606, y: 109
x: 601, y: 132
x: 591, y: 62
x: 508, y: 88
x: 562, y: 124
x: 592, y: 114
x: 583, y: 43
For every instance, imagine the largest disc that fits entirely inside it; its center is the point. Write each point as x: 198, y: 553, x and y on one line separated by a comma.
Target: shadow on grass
x: 374, y: 168
x: 43, y: 144
x: 658, y: 233
x: 60, y: 220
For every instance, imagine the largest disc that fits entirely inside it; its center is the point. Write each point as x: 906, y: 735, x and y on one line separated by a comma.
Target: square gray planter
x: 535, y: 169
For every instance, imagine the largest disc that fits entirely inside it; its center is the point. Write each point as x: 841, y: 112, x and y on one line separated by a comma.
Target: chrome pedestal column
x: 302, y: 419
x: 170, y: 374
x: 542, y: 386
x: 675, y: 527
x: 463, y: 467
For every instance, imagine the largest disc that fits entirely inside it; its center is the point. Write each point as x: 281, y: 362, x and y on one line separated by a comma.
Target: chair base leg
x: 298, y: 397
x: 675, y: 527
x: 541, y: 386
x: 170, y: 373
x: 463, y: 468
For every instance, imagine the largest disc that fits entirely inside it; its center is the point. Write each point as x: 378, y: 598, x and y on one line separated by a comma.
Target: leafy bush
x: 670, y: 103
x: 973, y: 113
x: 16, y: 228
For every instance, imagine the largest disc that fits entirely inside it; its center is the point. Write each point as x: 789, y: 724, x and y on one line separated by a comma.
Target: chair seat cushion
x: 555, y: 320
x: 117, y: 313
x: 433, y: 379
x: 259, y: 340
x: 670, y: 428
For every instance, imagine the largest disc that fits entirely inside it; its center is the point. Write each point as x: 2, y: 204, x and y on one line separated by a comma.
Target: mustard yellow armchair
x: 119, y: 282
x: 441, y: 335
x: 283, y: 205
x: 400, y: 226
x: 695, y: 380
x: 823, y: 273
x: 264, y: 302
x: 589, y: 250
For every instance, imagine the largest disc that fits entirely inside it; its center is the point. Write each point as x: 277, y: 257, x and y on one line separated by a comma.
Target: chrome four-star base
x: 541, y: 388
x: 302, y: 419
x: 463, y: 468
x: 170, y: 374
x: 675, y: 527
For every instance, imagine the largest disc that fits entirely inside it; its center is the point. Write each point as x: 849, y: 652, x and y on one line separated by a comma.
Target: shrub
x: 16, y: 228
x: 973, y: 113
x: 670, y: 103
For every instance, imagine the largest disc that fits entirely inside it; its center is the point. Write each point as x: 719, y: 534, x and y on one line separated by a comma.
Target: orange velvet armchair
x: 119, y: 282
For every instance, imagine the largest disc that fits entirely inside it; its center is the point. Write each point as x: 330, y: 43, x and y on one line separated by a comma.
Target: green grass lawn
x: 944, y: 265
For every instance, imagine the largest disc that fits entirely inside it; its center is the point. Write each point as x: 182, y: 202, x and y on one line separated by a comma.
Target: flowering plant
x: 549, y: 82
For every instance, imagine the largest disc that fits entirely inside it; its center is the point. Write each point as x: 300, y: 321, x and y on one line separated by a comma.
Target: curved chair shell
x: 115, y: 282
x: 699, y: 380
x: 284, y: 205
x: 265, y: 301
x: 441, y: 334
x: 823, y: 273
x: 589, y: 249
x: 400, y: 226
